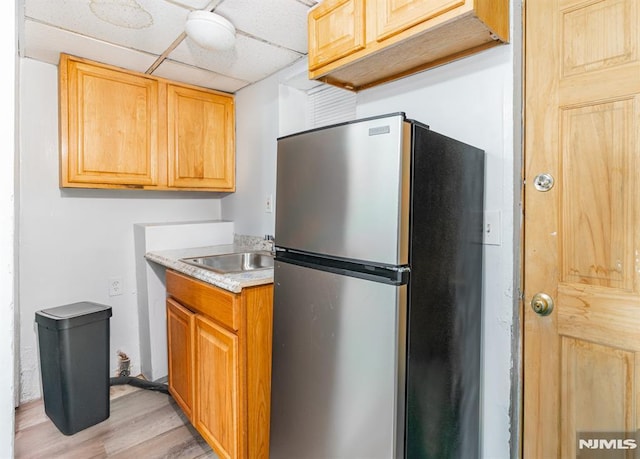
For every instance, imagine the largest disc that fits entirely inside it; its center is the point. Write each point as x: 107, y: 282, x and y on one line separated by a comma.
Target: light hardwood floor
x: 142, y: 424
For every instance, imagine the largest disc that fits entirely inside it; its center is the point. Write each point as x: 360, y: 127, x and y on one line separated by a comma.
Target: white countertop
x: 232, y: 282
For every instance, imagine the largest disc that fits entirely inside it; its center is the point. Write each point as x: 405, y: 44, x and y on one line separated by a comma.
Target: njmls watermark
x: 604, y: 445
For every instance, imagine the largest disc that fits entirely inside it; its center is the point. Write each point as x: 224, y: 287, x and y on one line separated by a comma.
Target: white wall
x: 256, y: 133
x: 73, y: 241
x: 8, y: 57
x: 471, y: 100
x: 151, y: 282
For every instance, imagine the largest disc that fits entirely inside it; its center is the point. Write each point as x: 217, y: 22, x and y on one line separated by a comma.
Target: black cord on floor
x: 137, y: 382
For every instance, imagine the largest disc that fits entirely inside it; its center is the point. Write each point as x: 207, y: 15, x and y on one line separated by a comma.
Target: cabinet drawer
x: 218, y: 304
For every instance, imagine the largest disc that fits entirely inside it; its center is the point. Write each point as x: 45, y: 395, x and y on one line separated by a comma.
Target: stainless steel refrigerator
x: 377, y: 307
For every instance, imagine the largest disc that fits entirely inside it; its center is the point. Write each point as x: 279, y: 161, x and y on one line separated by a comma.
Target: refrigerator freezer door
x: 338, y: 366
x: 343, y: 191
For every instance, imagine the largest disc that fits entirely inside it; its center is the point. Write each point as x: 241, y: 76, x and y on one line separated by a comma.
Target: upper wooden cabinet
x: 356, y: 44
x: 200, y: 122
x: 336, y: 32
x: 109, y: 126
x: 122, y: 129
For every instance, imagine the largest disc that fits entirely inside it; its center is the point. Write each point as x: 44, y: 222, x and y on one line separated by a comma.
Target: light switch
x: 491, y: 230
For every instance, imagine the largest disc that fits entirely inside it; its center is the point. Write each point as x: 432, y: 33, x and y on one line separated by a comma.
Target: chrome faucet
x: 272, y: 240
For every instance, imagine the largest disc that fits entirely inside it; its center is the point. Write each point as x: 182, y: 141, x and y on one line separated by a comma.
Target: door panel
x: 582, y: 238
x: 593, y: 369
x: 597, y: 198
x: 591, y: 21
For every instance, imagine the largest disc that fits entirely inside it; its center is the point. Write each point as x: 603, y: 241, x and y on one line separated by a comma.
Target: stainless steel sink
x: 233, y: 262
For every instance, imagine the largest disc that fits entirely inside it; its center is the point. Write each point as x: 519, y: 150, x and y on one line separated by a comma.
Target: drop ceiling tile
x: 199, y: 77
x: 45, y: 43
x: 250, y: 60
x: 282, y: 22
x: 145, y: 25
x: 192, y: 4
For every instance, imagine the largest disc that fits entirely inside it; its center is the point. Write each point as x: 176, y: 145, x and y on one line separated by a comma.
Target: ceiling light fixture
x: 210, y: 30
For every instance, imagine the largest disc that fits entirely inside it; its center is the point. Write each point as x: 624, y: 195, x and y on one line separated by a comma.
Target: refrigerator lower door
x: 338, y: 378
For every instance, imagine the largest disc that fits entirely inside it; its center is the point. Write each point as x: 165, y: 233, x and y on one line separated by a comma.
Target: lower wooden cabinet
x: 180, y: 329
x: 216, y: 383
x: 219, y: 350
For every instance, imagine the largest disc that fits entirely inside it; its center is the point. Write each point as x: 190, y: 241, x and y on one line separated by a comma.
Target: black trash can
x: 74, y: 363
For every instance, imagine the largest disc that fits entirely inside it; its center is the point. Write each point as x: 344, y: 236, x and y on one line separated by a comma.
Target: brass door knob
x: 542, y: 304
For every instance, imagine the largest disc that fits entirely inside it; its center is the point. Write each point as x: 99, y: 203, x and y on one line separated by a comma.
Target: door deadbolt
x: 543, y: 182
x: 542, y: 304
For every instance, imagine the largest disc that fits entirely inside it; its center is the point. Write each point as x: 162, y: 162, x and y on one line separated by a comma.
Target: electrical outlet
x: 268, y: 204
x: 115, y: 286
x: 491, y: 230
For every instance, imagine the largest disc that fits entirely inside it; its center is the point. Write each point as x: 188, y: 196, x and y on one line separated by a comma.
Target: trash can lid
x: 72, y: 315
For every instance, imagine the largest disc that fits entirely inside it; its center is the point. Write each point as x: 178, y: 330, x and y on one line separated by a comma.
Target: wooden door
x: 201, y: 133
x: 108, y: 126
x: 336, y: 29
x: 217, y: 407
x: 180, y: 329
x: 395, y: 16
x: 582, y: 238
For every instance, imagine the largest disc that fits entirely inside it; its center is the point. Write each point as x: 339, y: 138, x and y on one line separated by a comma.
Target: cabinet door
x: 201, y: 145
x: 336, y: 29
x: 217, y: 408
x: 108, y: 126
x: 394, y: 16
x: 180, y: 326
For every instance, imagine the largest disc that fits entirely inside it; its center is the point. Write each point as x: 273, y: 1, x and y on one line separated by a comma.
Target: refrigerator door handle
x: 393, y: 275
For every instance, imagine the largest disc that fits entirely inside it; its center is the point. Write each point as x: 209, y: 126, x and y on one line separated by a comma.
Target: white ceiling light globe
x: 210, y: 30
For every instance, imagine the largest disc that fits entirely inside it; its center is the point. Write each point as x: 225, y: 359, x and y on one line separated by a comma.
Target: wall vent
x: 330, y: 105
